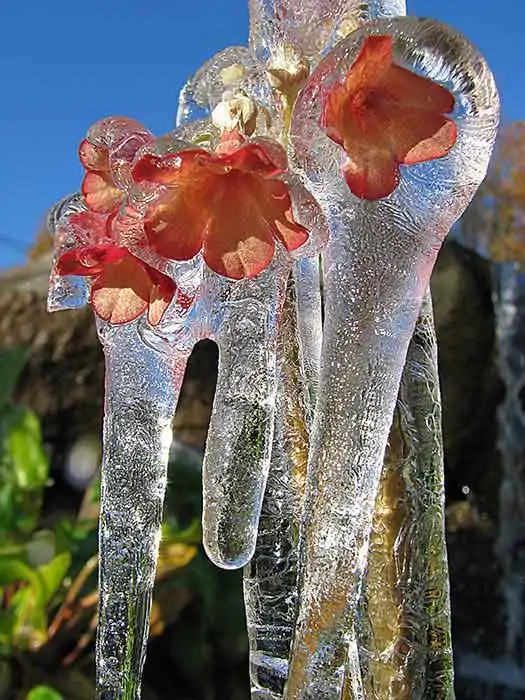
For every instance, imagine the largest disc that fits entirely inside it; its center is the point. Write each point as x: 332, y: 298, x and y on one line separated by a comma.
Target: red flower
x: 111, y: 144
x: 229, y: 204
x: 100, y: 192
x: 123, y: 286
x: 383, y: 116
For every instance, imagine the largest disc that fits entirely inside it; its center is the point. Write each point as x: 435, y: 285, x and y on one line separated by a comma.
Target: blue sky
x: 64, y: 64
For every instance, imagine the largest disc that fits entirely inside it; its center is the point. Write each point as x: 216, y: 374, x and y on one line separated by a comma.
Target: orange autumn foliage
x: 495, y: 221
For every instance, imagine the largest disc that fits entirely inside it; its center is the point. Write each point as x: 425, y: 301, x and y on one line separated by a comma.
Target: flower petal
x: 275, y: 206
x: 175, y: 223
x: 167, y: 169
x: 371, y: 175
x: 262, y: 156
x: 238, y: 241
x: 122, y: 291
x: 372, y: 63
x: 90, y: 227
x: 89, y: 260
x: 99, y: 192
x: 420, y: 136
x: 163, y: 290
x: 385, y: 115
x: 412, y: 90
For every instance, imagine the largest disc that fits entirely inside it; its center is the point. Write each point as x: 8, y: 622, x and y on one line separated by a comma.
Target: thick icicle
x: 142, y: 387
x: 270, y: 579
x: 405, y: 646
x: 378, y: 264
x: 238, y: 448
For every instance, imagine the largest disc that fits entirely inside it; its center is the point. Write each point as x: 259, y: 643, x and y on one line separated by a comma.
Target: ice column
x: 377, y: 268
x: 270, y: 579
x: 405, y: 640
x: 142, y: 387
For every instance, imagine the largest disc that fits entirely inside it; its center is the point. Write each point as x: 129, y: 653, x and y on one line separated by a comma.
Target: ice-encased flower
x: 384, y: 115
x: 109, y: 148
x: 230, y: 204
x: 123, y: 286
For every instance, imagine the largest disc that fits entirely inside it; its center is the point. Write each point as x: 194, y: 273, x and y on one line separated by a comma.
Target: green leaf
x: 12, y: 361
x: 43, y: 692
x: 30, y: 625
x: 53, y: 574
x: 7, y: 624
x: 14, y: 570
x: 23, y: 445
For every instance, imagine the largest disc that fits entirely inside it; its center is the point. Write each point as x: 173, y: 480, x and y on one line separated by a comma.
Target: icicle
x: 142, y: 387
x: 270, y: 579
x: 237, y: 455
x: 405, y: 646
x: 377, y: 267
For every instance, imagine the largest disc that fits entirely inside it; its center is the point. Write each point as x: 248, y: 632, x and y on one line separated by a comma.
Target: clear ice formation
x: 377, y: 266
x: 303, y: 409
x: 404, y: 621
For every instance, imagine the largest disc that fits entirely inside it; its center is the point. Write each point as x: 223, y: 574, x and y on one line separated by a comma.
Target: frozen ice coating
x: 404, y: 635
x: 215, y: 231
x: 270, y: 578
x: 309, y: 321
x: 282, y: 29
x: 232, y: 70
x: 376, y: 270
x: 142, y: 388
x: 65, y: 292
x: 238, y: 447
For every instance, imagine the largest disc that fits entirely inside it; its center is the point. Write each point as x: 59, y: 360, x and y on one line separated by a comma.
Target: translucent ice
x: 310, y: 27
x: 404, y: 626
x: 377, y: 266
x: 270, y: 579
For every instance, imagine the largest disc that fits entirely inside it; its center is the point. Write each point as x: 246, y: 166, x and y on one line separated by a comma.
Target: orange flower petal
x: 276, y: 207
x: 99, y: 192
x: 175, y: 223
x: 93, y: 157
x: 384, y: 116
x: 163, y: 290
x: 122, y: 291
x: 372, y: 63
x: 238, y: 241
x: 371, y: 175
x: 265, y: 158
x: 91, y: 227
x: 421, y: 138
x: 225, y: 203
x: 415, y: 91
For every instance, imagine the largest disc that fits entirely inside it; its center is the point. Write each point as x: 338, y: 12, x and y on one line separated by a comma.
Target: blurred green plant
x: 48, y: 586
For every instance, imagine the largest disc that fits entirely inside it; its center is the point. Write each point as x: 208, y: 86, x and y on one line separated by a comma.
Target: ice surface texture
x: 142, y: 387
x: 296, y: 443
x: 404, y: 636
x: 310, y: 27
x: 376, y: 269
